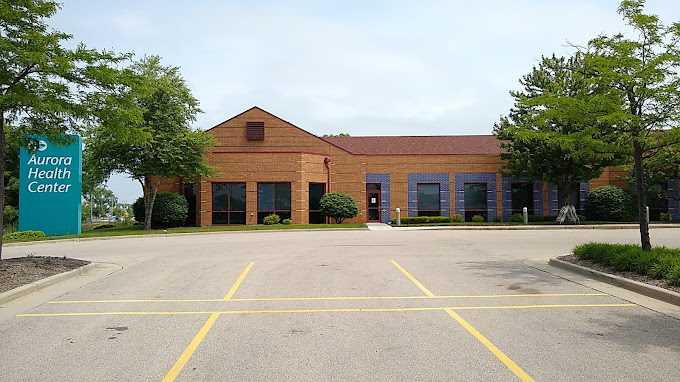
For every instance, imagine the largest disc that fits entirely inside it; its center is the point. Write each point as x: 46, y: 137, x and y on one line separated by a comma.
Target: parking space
x: 377, y: 312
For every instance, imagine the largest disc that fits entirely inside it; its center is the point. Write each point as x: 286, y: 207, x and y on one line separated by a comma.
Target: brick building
x: 267, y: 165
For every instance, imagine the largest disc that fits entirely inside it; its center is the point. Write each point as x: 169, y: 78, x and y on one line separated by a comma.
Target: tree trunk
x: 150, y: 191
x: 641, y: 197
x: 2, y: 176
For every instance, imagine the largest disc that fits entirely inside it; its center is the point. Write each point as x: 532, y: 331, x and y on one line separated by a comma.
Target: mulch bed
x: 629, y: 275
x: 20, y: 271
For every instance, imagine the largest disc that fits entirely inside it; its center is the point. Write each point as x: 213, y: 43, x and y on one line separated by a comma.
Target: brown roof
x: 423, y: 145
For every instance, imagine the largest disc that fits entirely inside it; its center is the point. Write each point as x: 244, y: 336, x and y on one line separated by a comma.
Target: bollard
x: 525, y: 213
x: 398, y: 217
x: 647, y: 214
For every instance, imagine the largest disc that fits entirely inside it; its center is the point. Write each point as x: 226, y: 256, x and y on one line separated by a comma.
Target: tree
x: 643, y: 72
x: 552, y: 133
x: 338, y: 206
x: 148, y: 134
x: 43, y: 85
x: 337, y: 135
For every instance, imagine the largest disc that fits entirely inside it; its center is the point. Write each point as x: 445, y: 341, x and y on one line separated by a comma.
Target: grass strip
x: 659, y: 263
x: 129, y: 230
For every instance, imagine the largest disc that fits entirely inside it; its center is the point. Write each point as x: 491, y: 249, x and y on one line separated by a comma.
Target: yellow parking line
x: 189, y: 351
x: 238, y: 282
x: 521, y: 374
x: 333, y: 298
x: 330, y: 310
x: 418, y: 284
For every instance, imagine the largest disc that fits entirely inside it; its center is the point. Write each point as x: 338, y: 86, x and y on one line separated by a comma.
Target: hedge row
x: 429, y: 219
x: 659, y: 263
x: 23, y: 235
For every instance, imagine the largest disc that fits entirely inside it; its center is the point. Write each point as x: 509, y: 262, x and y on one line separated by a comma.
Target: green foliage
x: 457, y: 218
x: 104, y: 225
x: 44, y: 87
x: 478, y: 219
x: 664, y: 217
x: 423, y: 220
x: 611, y: 203
x: 286, y: 222
x: 658, y: 263
x: 497, y: 219
x: 517, y: 218
x: 145, y: 131
x: 11, y: 215
x: 550, y: 218
x: 338, y: 206
x: 22, y: 235
x: 535, y: 218
x: 552, y: 133
x: 582, y: 218
x: 337, y: 135
x: 271, y: 219
x: 170, y: 210
x: 642, y: 76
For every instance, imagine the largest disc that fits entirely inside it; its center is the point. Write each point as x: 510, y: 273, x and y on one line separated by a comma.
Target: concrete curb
x: 44, y: 283
x: 631, y: 285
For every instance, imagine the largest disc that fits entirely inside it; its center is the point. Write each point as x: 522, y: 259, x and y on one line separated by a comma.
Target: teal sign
x: 50, y: 187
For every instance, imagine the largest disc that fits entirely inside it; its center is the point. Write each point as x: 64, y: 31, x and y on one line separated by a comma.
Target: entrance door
x: 373, y: 202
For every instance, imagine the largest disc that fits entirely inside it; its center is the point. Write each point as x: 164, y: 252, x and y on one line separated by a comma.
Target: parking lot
x: 339, y: 305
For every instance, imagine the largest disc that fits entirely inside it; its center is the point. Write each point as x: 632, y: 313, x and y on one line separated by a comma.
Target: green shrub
x: 582, y: 218
x: 478, y: 219
x: 457, y: 218
x: 659, y: 263
x: 664, y: 217
x: 516, y: 218
x: 611, y: 203
x: 11, y: 215
x: 550, y: 218
x: 169, y: 210
x: 497, y: 219
x: 286, y: 222
x: 271, y: 219
x: 535, y: 218
x: 23, y: 235
x: 104, y: 225
x: 339, y: 206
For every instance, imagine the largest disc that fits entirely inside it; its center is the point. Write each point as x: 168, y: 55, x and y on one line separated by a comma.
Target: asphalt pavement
x: 388, y: 305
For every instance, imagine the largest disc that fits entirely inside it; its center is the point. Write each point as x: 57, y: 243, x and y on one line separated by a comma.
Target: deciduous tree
x: 148, y: 136
x: 43, y: 85
x: 552, y: 132
x: 643, y: 72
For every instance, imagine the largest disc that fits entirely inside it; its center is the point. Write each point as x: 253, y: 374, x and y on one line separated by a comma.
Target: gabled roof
x: 420, y: 145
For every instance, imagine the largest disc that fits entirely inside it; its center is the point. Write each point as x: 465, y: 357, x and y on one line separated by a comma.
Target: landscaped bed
x: 660, y: 263
x: 20, y: 271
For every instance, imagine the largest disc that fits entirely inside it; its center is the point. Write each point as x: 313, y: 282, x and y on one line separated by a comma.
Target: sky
x: 365, y: 68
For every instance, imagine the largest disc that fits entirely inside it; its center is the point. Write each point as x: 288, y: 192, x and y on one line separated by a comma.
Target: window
x: 428, y: 199
x: 574, y: 196
x: 228, y: 203
x: 475, y: 200
x: 273, y: 198
x: 522, y: 195
x: 316, y: 191
x: 656, y: 201
x: 255, y: 130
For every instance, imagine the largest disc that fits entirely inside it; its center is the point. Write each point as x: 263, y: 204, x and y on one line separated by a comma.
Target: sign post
x: 50, y: 187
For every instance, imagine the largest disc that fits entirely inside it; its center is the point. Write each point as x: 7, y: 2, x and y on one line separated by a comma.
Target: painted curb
x: 533, y: 227
x: 631, y: 285
x: 44, y: 283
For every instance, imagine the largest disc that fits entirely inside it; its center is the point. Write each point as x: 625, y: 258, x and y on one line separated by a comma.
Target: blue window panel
x: 491, y: 187
x: 444, y: 191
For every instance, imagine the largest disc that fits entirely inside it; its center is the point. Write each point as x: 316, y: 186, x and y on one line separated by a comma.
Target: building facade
x: 266, y: 165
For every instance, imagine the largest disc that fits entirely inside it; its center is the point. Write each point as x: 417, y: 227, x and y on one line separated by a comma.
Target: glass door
x: 373, y: 202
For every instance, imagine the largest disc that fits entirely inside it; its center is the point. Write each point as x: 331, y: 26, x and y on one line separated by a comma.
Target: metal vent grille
x: 255, y: 130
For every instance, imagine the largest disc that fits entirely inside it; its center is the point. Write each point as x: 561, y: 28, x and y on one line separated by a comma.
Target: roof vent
x: 255, y: 130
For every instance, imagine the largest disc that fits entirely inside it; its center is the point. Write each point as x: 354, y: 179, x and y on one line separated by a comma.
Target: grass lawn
x: 124, y: 230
